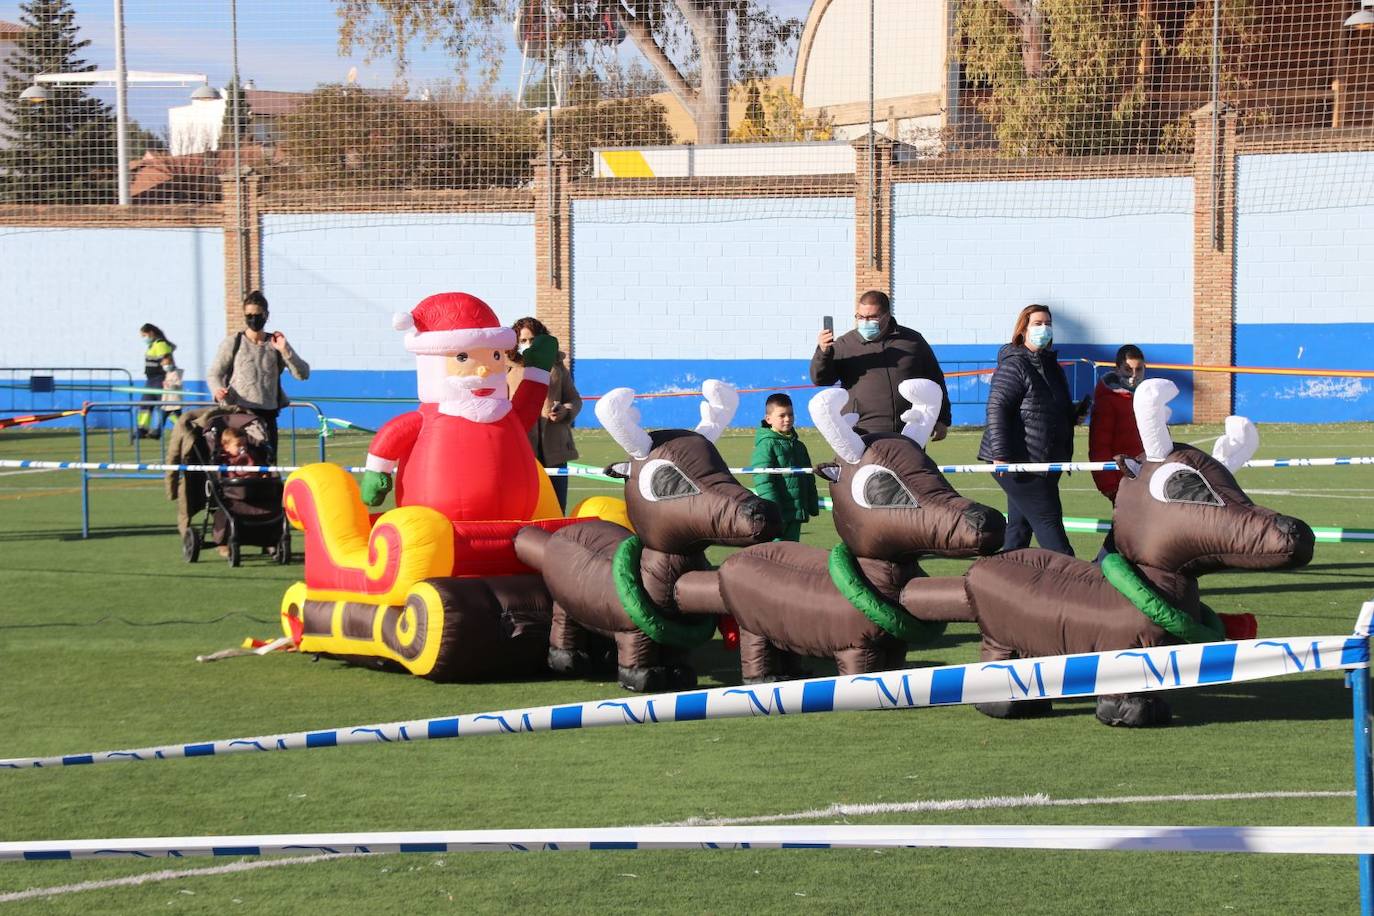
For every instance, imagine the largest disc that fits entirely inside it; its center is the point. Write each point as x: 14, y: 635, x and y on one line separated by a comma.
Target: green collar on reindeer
x: 1137, y: 590
x: 641, y: 609
x: 849, y: 579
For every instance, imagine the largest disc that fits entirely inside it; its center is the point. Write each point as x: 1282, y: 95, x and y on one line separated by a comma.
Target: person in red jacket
x: 1113, y: 430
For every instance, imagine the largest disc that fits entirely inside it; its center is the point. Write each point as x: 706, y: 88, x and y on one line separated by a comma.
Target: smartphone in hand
x: 828, y: 323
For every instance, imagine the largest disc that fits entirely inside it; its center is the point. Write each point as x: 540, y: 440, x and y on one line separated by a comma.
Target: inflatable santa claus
x: 466, y: 451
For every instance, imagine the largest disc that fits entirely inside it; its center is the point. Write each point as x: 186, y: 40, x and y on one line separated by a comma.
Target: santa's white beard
x: 454, y: 394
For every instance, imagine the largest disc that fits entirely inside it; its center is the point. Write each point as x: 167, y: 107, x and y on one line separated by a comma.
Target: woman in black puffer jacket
x: 1031, y: 416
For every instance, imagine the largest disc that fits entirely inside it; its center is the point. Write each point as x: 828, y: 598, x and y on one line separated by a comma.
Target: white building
x: 195, y: 127
x: 915, y: 77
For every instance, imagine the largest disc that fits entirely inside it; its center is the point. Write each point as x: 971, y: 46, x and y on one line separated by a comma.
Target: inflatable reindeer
x: 891, y: 507
x: 605, y: 580
x: 1179, y: 514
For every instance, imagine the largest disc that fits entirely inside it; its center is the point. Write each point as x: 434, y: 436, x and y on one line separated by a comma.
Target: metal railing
x: 43, y: 389
x: 112, y: 408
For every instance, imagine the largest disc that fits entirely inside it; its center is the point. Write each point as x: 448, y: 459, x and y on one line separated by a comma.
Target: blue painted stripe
x: 235, y: 850
x: 1218, y: 663
x: 805, y: 845
x: 322, y: 739
x: 39, y: 855
x: 199, y: 750
x: 613, y: 845
x: 423, y: 847
x: 442, y: 728
x: 690, y: 707
x: 566, y: 717
x: 1355, y: 651
x: 76, y: 759
x: 818, y: 697
x: 947, y: 686
x: 1080, y: 675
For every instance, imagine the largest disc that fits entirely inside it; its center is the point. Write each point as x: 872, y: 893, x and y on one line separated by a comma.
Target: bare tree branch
x: 643, y: 37
x: 1033, y: 51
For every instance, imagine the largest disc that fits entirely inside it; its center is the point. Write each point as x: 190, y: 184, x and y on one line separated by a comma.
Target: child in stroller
x: 242, y: 508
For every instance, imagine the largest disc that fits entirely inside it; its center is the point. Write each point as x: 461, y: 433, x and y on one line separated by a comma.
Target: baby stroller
x: 239, y: 511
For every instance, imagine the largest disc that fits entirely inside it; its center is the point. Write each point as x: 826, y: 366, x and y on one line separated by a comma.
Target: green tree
x: 61, y: 151
x: 697, y: 47
x: 228, y: 129
x: 1093, y: 77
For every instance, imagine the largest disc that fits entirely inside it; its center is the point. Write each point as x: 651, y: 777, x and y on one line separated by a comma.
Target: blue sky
x: 283, y: 44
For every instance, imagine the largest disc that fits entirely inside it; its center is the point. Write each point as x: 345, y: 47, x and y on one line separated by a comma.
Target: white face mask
x: 1040, y: 336
x: 522, y: 347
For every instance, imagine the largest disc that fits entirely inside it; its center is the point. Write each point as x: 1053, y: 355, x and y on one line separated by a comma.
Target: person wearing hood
x: 870, y: 362
x: 552, y: 436
x: 1030, y: 419
x: 777, y: 445
x: 1113, y: 430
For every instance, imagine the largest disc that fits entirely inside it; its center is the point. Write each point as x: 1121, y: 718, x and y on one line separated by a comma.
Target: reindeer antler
x: 617, y: 413
x: 718, y: 408
x: 1238, y: 444
x: 1151, y: 403
x: 926, y: 399
x: 838, y: 430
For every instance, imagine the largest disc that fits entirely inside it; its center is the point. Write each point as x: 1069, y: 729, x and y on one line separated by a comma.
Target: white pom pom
x: 402, y: 321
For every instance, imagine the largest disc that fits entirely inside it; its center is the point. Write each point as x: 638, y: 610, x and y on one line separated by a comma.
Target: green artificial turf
x: 98, y: 640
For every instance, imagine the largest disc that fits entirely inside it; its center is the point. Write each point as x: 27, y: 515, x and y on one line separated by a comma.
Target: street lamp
x: 37, y: 95
x: 1363, y: 20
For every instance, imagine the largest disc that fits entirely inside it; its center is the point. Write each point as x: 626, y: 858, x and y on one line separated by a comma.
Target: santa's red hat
x: 448, y: 322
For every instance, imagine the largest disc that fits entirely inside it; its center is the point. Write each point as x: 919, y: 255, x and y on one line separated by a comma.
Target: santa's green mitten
x: 375, y: 487
x: 542, y: 352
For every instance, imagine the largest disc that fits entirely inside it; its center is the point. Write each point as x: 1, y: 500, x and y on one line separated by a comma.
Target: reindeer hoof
x: 644, y: 680
x: 569, y: 661
x: 682, y: 678
x: 1023, y: 709
x: 1133, y: 710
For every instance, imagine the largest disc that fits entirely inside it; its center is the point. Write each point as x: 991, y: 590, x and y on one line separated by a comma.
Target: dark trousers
x: 560, y: 489
x: 269, y: 422
x: 1033, y: 507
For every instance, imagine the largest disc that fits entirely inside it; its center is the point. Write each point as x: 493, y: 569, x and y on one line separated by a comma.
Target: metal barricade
x: 48, y: 389
x: 112, y: 408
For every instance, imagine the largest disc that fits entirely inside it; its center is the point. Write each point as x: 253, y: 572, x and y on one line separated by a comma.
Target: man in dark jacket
x: 871, y: 360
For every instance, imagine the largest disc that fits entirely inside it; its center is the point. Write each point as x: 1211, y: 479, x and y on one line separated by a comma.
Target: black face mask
x: 255, y: 322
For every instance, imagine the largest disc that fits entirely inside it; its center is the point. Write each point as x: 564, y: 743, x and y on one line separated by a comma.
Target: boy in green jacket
x: 777, y: 445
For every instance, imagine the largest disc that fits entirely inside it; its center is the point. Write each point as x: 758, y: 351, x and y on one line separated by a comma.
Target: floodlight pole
x: 121, y: 105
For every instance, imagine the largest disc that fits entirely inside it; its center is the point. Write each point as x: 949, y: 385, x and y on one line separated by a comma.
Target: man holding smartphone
x: 870, y: 362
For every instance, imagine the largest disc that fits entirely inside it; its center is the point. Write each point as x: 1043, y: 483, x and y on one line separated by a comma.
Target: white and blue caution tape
x: 584, y: 471
x: 1061, y: 676
x: 1340, y: 841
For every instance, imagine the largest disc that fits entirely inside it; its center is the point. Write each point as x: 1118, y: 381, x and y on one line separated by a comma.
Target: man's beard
x: 462, y: 400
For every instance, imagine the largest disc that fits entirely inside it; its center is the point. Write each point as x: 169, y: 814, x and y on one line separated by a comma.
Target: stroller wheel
x: 234, y: 556
x: 284, y: 548
x: 190, y: 545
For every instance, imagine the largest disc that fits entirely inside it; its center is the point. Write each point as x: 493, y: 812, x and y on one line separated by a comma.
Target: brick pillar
x: 553, y: 248
x: 1214, y: 263
x: 242, y: 246
x: 873, y: 191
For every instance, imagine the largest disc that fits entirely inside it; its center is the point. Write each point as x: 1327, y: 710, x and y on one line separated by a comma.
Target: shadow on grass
x: 97, y: 534
x: 1295, y: 700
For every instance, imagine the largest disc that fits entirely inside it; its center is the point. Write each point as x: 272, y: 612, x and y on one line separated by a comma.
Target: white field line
x: 168, y: 874
x: 1038, y: 800
x: 27, y: 471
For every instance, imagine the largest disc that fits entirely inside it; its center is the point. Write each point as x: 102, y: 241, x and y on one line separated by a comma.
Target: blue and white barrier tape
x: 582, y: 471
x: 1075, y: 676
x: 1343, y: 841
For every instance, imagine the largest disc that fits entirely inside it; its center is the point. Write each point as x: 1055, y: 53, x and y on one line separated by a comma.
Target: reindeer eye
x: 1178, y: 483
x: 660, y: 479
x: 875, y: 487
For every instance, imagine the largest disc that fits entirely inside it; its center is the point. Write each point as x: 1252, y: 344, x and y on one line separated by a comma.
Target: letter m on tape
x: 1034, y: 680
x: 1149, y: 671
x: 1311, y: 656
x: 761, y: 707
